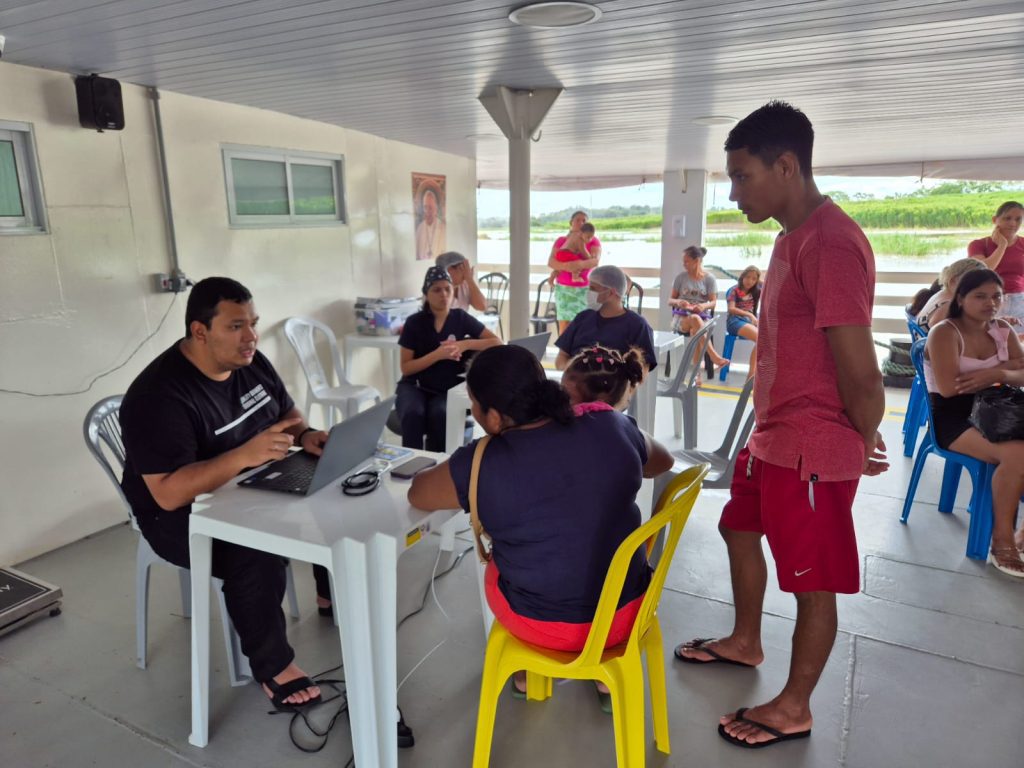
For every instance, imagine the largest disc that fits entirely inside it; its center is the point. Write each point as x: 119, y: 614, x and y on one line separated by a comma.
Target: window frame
x: 33, y: 220
x: 288, y: 157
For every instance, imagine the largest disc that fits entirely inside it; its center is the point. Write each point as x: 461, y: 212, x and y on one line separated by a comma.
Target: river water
x: 634, y: 250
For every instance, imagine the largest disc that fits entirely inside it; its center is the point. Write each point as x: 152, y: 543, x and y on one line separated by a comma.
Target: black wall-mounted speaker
x: 99, y: 103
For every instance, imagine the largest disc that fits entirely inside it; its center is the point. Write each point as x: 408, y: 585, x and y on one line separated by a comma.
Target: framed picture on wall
x: 428, y: 197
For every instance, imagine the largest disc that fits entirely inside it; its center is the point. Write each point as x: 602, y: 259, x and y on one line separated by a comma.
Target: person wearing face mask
x: 606, y: 322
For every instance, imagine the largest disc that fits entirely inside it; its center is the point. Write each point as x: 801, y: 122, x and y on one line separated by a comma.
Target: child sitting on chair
x: 742, y: 300
x: 602, y: 379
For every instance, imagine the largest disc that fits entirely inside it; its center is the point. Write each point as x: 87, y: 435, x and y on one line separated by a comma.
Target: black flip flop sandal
x: 777, y: 736
x: 281, y: 691
x: 700, y: 644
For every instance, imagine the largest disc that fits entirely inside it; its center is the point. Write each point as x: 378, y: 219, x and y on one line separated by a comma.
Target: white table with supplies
x: 358, y: 539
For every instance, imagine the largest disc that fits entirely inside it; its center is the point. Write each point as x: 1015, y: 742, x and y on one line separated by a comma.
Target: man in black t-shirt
x: 207, y: 408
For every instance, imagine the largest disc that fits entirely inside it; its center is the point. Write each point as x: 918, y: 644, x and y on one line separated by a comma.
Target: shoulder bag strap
x: 482, y: 551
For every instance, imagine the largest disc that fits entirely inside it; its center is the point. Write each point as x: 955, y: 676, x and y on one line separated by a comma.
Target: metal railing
x: 893, y: 291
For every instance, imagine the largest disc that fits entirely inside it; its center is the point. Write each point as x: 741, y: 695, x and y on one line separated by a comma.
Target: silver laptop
x: 349, y: 444
x: 537, y: 344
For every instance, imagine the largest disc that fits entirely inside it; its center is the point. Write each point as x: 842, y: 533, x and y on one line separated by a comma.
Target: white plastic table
x: 390, y: 351
x: 645, y: 400
x: 358, y: 540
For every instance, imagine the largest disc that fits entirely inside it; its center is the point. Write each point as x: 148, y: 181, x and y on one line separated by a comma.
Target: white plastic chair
x: 722, y: 460
x: 346, y: 397
x: 102, y: 428
x: 683, y: 386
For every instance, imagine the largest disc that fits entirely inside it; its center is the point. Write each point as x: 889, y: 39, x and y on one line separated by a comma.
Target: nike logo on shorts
x: 801, y: 573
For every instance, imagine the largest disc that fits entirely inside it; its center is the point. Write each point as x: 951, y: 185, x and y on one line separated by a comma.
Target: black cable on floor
x: 423, y: 600
x: 337, y: 684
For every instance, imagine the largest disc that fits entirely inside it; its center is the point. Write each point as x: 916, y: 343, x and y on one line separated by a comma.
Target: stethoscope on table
x: 364, y: 482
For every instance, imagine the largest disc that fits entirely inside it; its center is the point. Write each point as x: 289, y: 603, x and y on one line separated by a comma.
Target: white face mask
x: 593, y: 302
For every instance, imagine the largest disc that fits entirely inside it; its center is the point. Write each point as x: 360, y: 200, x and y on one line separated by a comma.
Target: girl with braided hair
x: 599, y: 376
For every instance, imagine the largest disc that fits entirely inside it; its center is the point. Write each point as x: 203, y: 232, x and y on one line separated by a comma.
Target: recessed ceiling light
x: 552, y: 15
x: 483, y: 136
x: 714, y: 120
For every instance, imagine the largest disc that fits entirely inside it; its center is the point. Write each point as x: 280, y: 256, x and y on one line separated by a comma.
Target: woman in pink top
x: 569, y: 283
x: 1003, y: 251
x: 967, y: 353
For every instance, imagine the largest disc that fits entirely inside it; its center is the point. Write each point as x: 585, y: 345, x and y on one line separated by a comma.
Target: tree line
x: 949, y: 205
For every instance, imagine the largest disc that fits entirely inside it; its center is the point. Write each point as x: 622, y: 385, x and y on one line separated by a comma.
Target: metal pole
x: 519, y: 236
x: 519, y: 114
x: 161, y: 151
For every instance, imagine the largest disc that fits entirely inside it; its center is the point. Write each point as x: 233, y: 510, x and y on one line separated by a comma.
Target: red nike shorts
x: 809, y: 524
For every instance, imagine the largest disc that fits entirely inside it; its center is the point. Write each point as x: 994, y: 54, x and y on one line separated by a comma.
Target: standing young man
x: 204, y: 410
x: 819, y: 400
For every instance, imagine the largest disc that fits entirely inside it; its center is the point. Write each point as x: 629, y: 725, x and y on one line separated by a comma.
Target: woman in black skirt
x: 969, y: 352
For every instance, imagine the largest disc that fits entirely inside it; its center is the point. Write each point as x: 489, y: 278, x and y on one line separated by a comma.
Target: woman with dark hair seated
x: 433, y: 345
x: 967, y: 353
x: 554, y: 525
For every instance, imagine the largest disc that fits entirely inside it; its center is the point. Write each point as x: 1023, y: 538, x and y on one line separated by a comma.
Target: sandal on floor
x: 777, y: 736
x: 282, y: 691
x: 516, y: 693
x: 1008, y: 553
x: 701, y: 644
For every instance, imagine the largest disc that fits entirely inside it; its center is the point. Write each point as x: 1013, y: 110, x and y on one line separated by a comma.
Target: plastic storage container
x: 384, y: 316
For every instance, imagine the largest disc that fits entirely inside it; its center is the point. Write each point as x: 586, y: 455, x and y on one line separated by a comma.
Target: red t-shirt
x: 1011, y: 266
x: 822, y: 274
x: 564, y: 276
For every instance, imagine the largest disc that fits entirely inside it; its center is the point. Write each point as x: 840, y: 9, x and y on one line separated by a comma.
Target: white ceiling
x: 885, y: 82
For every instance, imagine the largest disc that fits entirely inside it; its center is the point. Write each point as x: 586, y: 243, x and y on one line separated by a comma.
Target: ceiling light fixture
x: 714, y: 120
x: 555, y: 15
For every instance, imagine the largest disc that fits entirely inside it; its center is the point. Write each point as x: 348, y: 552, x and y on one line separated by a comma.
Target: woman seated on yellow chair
x: 556, y: 494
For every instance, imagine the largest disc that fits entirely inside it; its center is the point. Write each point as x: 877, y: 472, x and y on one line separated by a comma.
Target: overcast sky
x: 494, y: 203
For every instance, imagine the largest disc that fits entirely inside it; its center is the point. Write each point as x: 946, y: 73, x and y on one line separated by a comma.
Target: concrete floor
x: 928, y: 668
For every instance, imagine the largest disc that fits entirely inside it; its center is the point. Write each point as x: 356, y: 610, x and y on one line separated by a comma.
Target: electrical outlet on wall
x: 176, y: 282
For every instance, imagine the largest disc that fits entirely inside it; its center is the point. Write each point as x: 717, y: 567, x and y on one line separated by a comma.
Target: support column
x: 519, y: 237
x: 519, y: 114
x: 684, y: 212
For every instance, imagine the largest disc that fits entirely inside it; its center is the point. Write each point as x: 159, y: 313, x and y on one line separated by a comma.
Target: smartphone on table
x: 408, y: 469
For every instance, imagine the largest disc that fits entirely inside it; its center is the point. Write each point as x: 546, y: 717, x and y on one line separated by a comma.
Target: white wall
x: 77, y: 300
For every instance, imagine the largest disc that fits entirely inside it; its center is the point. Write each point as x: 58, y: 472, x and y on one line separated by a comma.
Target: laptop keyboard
x: 294, y: 474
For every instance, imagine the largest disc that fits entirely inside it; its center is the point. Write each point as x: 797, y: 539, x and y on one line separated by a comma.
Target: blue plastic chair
x: 917, y: 407
x: 979, y: 532
x: 730, y: 342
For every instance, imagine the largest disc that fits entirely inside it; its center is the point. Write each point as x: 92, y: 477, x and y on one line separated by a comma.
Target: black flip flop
x: 778, y: 736
x: 282, y: 691
x: 700, y: 644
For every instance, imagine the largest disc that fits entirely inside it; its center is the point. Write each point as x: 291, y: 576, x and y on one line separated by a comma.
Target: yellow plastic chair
x: 620, y: 667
